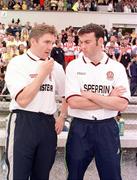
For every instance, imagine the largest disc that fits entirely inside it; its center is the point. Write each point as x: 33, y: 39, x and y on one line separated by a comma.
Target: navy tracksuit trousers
x: 31, y: 145
x: 96, y: 138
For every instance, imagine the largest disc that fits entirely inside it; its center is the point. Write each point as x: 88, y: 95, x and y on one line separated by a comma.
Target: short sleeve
x: 72, y: 85
x: 59, y: 76
x: 122, y: 80
x: 15, y: 78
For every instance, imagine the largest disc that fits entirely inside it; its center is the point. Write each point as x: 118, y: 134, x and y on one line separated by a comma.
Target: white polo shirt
x: 81, y: 74
x: 22, y: 70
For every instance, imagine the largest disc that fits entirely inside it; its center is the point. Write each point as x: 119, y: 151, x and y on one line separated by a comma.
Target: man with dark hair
x: 33, y: 79
x: 96, y: 89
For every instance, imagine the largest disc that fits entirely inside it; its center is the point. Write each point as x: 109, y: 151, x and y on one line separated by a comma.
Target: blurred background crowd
x: 120, y: 46
x: 70, y: 5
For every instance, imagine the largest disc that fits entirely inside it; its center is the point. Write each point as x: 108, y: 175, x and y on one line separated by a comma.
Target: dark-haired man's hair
x: 92, y: 28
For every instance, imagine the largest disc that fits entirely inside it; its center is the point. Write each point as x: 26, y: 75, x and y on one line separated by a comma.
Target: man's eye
x: 87, y: 42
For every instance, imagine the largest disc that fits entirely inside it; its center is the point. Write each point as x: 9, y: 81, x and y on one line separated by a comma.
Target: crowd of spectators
x: 122, y: 47
x: 69, y: 5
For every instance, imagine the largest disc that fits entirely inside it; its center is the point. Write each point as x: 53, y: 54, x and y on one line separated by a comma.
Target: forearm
x: 30, y: 91
x: 79, y: 102
x: 64, y: 108
x: 109, y: 102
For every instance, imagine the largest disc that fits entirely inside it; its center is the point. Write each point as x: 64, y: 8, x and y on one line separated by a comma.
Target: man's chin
x: 46, y: 55
x: 85, y: 54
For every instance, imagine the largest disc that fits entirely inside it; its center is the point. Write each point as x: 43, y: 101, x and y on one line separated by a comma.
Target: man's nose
x: 49, y: 47
x: 83, y: 46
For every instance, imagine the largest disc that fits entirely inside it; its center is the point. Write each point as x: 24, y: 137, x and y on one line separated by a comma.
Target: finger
x: 120, y: 87
x: 50, y: 59
x: 58, y: 130
x: 56, y: 126
x: 122, y: 90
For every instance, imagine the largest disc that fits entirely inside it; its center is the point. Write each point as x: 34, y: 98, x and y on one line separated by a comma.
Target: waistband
x: 31, y: 112
x: 94, y: 120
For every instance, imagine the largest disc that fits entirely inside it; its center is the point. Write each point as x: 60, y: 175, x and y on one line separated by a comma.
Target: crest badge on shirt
x: 110, y: 75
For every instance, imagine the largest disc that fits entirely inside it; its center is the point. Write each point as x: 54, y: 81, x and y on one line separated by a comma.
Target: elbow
x: 123, y: 107
x: 21, y: 103
x: 73, y: 104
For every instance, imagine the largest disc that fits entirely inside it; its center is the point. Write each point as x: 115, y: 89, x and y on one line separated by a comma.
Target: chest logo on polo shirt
x: 101, y: 89
x: 110, y: 75
x: 81, y: 73
x: 33, y: 75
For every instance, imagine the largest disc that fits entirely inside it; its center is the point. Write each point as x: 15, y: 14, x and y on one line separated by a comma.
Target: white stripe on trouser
x: 10, y: 145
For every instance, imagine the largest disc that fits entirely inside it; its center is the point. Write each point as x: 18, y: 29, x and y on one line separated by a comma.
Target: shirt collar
x: 32, y: 56
x: 104, y: 60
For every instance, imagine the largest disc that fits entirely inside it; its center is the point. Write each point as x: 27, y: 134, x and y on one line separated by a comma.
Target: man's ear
x: 32, y: 41
x: 100, y: 41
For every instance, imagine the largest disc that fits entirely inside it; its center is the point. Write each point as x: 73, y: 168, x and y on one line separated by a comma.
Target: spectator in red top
x: 41, y: 2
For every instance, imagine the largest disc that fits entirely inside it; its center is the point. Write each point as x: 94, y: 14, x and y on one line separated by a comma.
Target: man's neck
x: 97, y: 58
x: 34, y: 53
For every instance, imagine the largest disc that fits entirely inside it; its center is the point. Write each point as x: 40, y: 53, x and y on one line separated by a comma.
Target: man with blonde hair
x: 33, y: 80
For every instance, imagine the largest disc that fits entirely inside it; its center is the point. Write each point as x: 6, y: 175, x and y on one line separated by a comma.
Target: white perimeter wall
x: 77, y: 19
